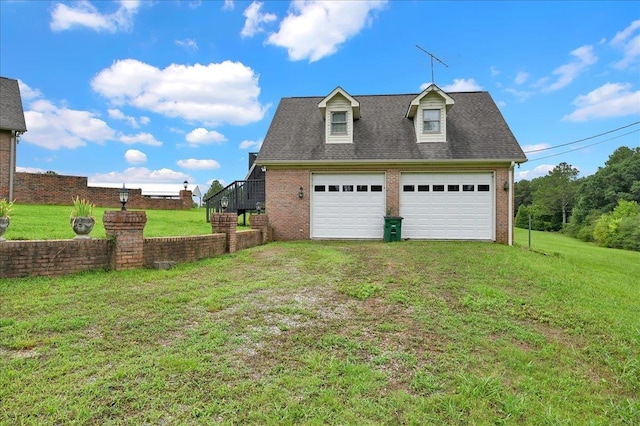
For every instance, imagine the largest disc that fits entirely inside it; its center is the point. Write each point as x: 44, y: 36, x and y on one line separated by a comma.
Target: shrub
x: 618, y: 228
x: 6, y: 207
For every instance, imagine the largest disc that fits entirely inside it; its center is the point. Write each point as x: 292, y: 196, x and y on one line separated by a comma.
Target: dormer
x: 339, y: 110
x: 429, y: 113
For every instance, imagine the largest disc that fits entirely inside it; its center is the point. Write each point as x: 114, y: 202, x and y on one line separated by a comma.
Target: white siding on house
x: 431, y: 101
x: 339, y: 104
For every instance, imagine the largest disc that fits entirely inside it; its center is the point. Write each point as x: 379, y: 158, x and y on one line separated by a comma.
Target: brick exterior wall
x: 183, y: 249
x: 288, y: 214
x: 290, y: 218
x: 53, y: 258
x: 38, y: 188
x: 5, y: 162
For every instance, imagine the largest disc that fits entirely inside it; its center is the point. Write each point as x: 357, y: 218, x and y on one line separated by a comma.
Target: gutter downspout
x: 12, y: 163
x: 511, y: 203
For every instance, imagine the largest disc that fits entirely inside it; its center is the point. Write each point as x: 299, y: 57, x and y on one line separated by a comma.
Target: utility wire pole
x: 432, y: 58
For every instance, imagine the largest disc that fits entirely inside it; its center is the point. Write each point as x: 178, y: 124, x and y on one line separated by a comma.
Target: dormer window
x: 429, y: 111
x: 339, y: 123
x: 431, y: 121
x: 339, y: 111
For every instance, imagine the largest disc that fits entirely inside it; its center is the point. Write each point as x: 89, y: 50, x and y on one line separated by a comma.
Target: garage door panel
x: 456, y: 205
x: 349, y: 207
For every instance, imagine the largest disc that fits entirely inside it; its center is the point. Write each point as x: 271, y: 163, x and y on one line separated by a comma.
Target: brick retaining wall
x: 53, y: 257
x: 183, y: 249
x: 125, y: 248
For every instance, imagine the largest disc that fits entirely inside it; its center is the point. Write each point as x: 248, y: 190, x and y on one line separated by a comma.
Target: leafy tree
x: 619, y: 228
x: 522, y: 194
x: 50, y: 172
x: 215, y: 187
x: 618, y: 180
x: 556, y: 191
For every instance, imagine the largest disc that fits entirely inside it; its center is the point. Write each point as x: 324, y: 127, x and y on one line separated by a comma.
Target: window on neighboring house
x: 430, y: 121
x: 339, y: 123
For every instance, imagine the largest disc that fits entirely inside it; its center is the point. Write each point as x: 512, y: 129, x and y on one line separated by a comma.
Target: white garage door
x: 447, y: 206
x: 347, y: 206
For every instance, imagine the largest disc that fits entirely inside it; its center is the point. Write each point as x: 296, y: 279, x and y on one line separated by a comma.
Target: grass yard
x: 40, y: 222
x: 333, y: 333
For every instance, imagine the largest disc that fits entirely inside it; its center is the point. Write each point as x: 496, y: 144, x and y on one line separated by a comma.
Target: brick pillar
x: 261, y: 222
x: 226, y: 223
x: 126, y: 228
x: 187, y: 199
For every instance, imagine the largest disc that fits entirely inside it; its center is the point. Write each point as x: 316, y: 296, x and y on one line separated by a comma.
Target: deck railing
x: 242, y: 195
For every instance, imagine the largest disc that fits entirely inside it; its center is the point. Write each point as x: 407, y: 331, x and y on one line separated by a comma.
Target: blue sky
x: 166, y: 91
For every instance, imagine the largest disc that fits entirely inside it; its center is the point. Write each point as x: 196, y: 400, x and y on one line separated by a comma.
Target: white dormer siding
x: 339, y: 110
x: 431, y: 102
x: 437, y: 103
x: 339, y: 104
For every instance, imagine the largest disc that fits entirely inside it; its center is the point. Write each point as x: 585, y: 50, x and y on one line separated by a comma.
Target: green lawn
x: 36, y: 222
x: 333, y: 333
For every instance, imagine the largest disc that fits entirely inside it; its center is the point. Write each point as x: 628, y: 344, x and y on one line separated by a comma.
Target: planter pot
x: 4, y: 224
x: 82, y: 226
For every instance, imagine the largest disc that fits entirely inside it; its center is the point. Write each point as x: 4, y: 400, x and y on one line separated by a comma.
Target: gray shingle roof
x: 11, y: 113
x: 476, y: 130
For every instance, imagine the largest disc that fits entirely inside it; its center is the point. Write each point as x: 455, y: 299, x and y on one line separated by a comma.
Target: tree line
x: 603, y: 207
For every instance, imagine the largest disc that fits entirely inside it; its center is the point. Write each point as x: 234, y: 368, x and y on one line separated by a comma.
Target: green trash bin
x: 392, y: 228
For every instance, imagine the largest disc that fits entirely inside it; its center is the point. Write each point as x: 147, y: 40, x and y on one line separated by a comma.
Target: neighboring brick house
x: 336, y: 165
x: 12, y: 124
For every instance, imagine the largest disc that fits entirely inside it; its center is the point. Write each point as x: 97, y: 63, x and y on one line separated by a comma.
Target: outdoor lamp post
x: 259, y: 207
x: 185, y: 183
x: 124, y: 197
x: 224, y: 202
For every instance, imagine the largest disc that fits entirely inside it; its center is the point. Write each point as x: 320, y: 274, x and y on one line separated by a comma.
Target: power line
x: 582, y: 140
x: 586, y: 146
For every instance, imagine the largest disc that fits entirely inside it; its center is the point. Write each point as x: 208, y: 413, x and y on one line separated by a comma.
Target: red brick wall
x: 289, y: 216
x: 38, y: 188
x: 183, y: 249
x: 52, y: 258
x: 248, y: 238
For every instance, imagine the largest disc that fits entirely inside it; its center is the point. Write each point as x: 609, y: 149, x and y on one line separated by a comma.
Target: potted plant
x: 82, y: 219
x: 5, y: 209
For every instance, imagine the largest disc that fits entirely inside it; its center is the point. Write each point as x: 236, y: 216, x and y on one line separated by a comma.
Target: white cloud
x: 202, y: 136
x: 250, y: 144
x: 228, y: 5
x: 140, y: 175
x: 521, y: 77
x: 314, y: 29
x: 26, y: 92
x: 541, y: 170
x: 133, y: 156
x: 188, y: 43
x: 608, y: 100
x: 85, y: 14
x: 119, y: 115
x: 54, y: 127
x: 494, y: 70
x: 255, y: 19
x: 568, y: 72
x: 194, y: 164
x: 143, y: 138
x: 29, y: 169
x: 522, y: 95
x: 212, y: 94
x: 462, y: 85
x: 535, y: 147
x: 144, y: 120
x: 629, y: 45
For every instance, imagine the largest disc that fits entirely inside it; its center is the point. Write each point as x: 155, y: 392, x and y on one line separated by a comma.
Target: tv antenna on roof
x: 432, y: 58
